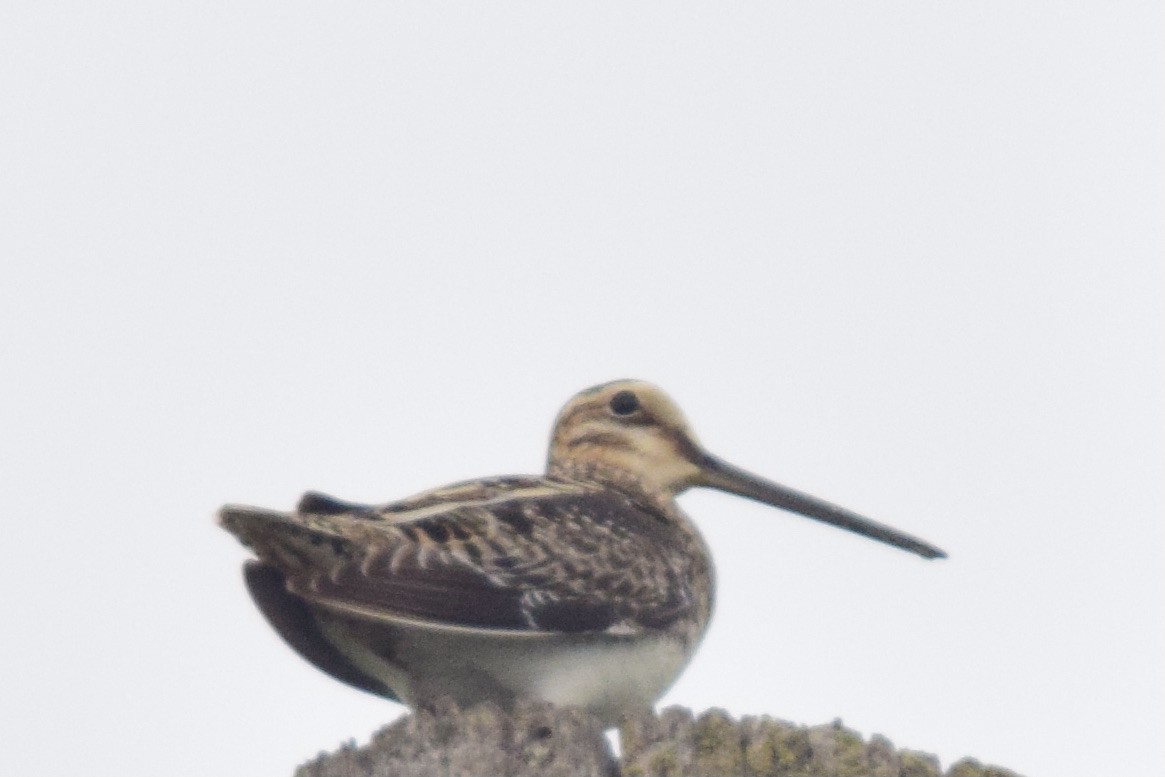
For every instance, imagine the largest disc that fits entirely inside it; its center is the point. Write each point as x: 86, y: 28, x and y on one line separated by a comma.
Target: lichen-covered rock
x: 916, y: 764
x: 675, y: 745
x: 538, y: 739
x: 445, y: 741
x: 657, y: 744
x: 837, y: 751
x: 775, y: 747
x: 969, y: 767
x: 881, y: 758
x: 717, y: 745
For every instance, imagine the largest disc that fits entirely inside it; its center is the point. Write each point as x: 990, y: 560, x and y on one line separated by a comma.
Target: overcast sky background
x: 906, y: 257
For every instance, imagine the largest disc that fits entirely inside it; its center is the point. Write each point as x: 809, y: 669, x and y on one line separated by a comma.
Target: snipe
x: 584, y: 586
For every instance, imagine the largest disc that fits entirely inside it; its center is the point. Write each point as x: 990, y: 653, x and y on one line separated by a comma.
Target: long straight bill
x: 725, y: 477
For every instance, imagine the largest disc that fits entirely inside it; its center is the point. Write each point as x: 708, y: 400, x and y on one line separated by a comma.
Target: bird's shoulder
x: 518, y: 505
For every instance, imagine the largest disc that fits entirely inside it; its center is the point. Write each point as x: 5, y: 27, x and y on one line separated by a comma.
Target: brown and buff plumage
x: 584, y: 586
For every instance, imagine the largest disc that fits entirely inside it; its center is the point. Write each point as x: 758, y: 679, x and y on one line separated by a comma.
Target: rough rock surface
x: 538, y: 739
x: 674, y: 743
x: 444, y: 741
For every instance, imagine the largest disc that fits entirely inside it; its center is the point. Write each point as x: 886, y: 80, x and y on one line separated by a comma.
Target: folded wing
x: 522, y: 555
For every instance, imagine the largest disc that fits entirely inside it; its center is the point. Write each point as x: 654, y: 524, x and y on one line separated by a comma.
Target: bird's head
x: 630, y: 426
x: 635, y: 430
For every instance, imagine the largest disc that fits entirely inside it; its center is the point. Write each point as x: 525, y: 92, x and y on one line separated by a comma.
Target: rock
x: 445, y: 741
x: 969, y: 767
x: 538, y: 739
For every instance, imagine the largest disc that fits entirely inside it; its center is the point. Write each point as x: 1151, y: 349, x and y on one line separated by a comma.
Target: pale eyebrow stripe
x: 531, y: 492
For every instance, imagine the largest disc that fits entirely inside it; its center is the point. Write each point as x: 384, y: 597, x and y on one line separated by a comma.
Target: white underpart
x: 615, y: 676
x: 606, y: 673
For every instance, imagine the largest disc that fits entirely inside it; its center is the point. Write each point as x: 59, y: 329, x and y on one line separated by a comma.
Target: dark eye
x: 624, y: 403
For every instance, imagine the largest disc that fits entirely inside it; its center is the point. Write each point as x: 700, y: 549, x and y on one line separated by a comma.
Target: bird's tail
x: 247, y: 523
x: 284, y: 539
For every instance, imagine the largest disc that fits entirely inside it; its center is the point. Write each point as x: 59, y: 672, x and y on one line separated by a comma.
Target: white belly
x: 421, y: 661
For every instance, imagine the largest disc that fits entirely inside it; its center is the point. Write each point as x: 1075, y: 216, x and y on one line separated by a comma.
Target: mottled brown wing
x: 574, y: 561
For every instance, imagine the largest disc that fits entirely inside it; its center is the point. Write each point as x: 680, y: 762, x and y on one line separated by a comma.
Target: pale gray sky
x: 908, y: 258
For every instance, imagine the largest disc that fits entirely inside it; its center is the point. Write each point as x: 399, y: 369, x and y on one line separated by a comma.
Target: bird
x: 584, y: 586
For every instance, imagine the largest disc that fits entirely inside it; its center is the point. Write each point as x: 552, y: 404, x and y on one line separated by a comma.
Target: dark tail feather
x: 321, y: 504
x: 244, y: 522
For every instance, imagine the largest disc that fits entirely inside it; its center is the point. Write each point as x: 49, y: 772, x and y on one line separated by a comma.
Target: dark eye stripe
x: 603, y: 439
